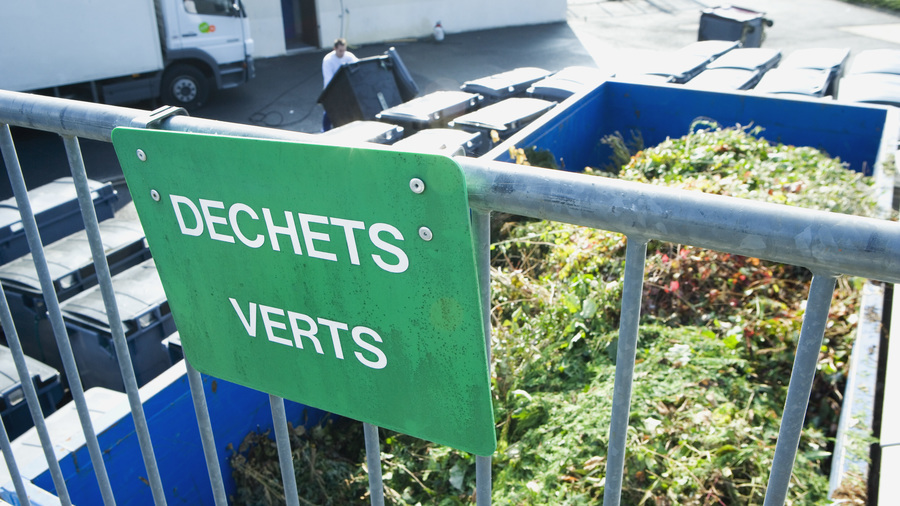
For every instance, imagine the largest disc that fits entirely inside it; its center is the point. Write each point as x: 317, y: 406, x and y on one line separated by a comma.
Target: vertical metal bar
x: 635, y: 257
x: 17, y: 181
x: 481, y: 225
x: 808, y: 346
x: 373, y: 461
x: 104, y: 280
x: 285, y: 459
x: 206, y: 435
x: 11, y: 465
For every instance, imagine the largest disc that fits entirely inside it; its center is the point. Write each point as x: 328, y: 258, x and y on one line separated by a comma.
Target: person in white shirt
x: 330, y: 65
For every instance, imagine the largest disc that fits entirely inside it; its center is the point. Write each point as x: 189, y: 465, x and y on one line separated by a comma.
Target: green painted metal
x: 341, y: 278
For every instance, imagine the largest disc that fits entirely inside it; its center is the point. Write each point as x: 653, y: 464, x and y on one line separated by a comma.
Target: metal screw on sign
x: 416, y: 185
x: 425, y: 234
x: 154, y: 195
x: 141, y: 155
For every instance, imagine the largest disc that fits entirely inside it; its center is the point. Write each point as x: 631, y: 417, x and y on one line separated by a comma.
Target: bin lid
x: 877, y: 61
x: 357, y: 132
x: 644, y: 78
x: 440, y: 141
x: 502, y: 115
x: 9, y: 377
x: 138, y: 290
x: 733, y: 13
x: 567, y: 82
x: 424, y: 108
x: 810, y: 82
x: 71, y: 254
x: 723, y: 79
x: 748, y: 58
x: 820, y: 58
x: 56, y: 192
x: 46, y: 197
x: 871, y: 88
x: 710, y: 49
x: 681, y: 66
x: 519, y: 78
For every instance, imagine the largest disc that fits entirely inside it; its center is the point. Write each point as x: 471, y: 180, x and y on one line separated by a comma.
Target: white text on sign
x: 305, y: 328
x: 211, y: 217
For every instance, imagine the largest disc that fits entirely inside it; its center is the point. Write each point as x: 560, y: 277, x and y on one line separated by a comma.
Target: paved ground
x: 605, y: 33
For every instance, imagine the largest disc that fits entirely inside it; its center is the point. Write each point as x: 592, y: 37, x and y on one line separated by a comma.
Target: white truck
x: 122, y: 51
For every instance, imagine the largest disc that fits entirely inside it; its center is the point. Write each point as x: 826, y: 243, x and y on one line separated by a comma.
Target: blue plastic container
x: 146, y: 318
x: 13, y: 407
x: 56, y: 211
x: 72, y: 272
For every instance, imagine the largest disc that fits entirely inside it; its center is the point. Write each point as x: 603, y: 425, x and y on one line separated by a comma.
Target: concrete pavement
x: 604, y: 33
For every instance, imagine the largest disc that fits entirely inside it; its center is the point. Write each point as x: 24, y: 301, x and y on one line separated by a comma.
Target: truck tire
x: 184, y: 86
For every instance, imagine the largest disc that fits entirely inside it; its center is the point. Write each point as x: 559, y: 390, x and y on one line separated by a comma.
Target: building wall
x: 266, y: 27
x: 369, y: 21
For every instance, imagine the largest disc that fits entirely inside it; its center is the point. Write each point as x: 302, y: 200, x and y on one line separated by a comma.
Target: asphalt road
x: 604, y: 33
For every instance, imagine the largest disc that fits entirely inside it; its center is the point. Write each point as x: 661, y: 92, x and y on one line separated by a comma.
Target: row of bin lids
x: 490, y: 103
x: 138, y: 289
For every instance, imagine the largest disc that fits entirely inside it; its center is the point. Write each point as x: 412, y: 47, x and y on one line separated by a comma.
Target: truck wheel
x: 184, y: 86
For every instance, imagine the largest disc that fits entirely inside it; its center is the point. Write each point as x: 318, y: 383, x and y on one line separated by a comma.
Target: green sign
x: 340, y: 278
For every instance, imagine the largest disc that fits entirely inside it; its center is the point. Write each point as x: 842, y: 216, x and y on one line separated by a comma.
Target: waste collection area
x: 565, y: 113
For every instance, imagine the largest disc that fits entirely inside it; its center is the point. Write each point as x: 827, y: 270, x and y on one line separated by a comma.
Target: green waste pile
x: 713, y: 361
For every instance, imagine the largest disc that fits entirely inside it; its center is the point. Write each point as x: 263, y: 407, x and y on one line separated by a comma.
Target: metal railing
x: 827, y: 244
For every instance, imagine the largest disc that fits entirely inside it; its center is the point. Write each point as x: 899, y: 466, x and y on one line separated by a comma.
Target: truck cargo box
x: 76, y: 41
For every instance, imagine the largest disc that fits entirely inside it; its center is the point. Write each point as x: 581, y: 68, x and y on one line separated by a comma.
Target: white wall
x: 368, y: 21
x: 266, y: 27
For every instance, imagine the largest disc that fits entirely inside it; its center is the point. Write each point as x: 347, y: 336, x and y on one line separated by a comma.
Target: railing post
x: 120, y: 343
x: 373, y: 462
x: 802, y: 375
x: 481, y: 221
x: 635, y: 257
x: 285, y: 456
x: 207, y: 439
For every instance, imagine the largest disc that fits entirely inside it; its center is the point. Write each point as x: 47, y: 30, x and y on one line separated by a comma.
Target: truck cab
x: 119, y: 52
x: 207, y: 44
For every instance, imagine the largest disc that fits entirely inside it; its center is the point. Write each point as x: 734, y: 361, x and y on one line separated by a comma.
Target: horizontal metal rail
x: 828, y: 244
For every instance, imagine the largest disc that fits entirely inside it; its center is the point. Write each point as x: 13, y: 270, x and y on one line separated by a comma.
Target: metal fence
x: 827, y: 244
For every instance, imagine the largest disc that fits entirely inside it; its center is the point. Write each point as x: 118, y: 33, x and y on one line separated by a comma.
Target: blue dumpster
x: 72, y: 271
x: 13, y: 408
x: 145, y: 317
x: 56, y: 212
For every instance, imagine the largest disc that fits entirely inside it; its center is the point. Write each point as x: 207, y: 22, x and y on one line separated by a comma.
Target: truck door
x: 215, y: 26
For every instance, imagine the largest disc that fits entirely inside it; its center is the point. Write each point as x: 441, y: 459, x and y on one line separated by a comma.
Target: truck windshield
x: 213, y: 7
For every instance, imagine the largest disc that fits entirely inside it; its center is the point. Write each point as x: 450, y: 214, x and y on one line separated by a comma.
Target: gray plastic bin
x: 832, y: 60
x: 807, y: 82
x: 434, y: 110
x: 56, y: 211
x: 13, y: 406
x: 442, y: 141
x: 72, y: 271
x: 506, y: 117
x: 357, y: 132
x: 361, y: 90
x: 505, y: 85
x: 145, y: 317
x: 567, y: 82
x: 733, y: 23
